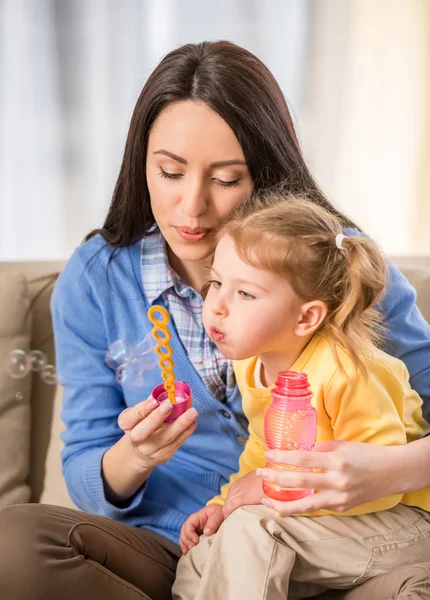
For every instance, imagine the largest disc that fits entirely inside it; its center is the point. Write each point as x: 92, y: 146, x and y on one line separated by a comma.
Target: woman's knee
x: 32, y: 537
x: 24, y: 537
x: 19, y: 520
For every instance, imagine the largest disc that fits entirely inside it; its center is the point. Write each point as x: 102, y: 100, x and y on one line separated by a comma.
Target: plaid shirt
x: 184, y: 305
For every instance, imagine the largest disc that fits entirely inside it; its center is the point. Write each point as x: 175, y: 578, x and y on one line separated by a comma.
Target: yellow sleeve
x: 252, y: 458
x: 369, y: 411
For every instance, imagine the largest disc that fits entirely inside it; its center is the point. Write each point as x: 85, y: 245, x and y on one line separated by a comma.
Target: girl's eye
x: 246, y: 296
x: 216, y: 284
x: 228, y: 184
x: 167, y: 175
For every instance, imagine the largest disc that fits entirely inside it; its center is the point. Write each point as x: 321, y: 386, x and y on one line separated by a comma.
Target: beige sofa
x: 30, y: 423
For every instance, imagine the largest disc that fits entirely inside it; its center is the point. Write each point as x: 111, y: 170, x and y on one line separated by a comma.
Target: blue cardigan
x: 97, y: 301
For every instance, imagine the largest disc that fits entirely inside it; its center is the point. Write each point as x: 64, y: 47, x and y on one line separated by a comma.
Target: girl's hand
x: 246, y: 490
x: 207, y: 520
x: 350, y: 474
x: 153, y: 442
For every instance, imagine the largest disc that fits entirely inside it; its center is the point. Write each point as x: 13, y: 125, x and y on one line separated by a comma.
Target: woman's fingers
x: 326, y: 500
x: 318, y: 458
x: 153, y: 421
x: 298, y: 479
x: 166, y: 452
x: 131, y: 416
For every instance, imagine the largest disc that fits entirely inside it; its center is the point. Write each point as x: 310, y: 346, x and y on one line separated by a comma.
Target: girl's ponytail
x: 355, y: 322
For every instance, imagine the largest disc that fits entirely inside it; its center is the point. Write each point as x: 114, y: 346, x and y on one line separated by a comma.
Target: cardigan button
x: 241, y: 440
x: 226, y: 414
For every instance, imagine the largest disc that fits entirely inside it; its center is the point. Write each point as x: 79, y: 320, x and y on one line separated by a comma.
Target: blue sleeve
x: 92, y: 398
x: 408, y: 335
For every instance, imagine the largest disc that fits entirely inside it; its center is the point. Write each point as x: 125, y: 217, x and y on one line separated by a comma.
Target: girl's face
x: 249, y: 311
x: 196, y: 174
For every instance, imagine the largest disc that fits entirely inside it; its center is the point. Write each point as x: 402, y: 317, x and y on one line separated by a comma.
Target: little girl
x: 290, y: 291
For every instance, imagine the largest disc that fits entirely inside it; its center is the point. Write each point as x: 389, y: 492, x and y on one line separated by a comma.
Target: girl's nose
x: 219, y: 306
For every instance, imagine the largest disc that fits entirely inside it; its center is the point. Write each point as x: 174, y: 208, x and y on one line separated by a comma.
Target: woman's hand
x: 246, y: 490
x: 207, y: 520
x: 348, y: 474
x: 146, y: 443
x: 153, y: 442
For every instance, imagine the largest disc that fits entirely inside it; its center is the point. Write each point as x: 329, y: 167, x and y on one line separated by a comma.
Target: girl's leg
x: 405, y: 583
x: 49, y: 552
x: 258, y: 555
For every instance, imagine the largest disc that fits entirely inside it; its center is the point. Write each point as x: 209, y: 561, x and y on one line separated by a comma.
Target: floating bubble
x: 147, y: 361
x: 129, y: 374
x: 18, y: 365
x: 37, y: 360
x: 49, y: 375
x: 19, y: 396
x: 145, y: 346
x: 118, y: 353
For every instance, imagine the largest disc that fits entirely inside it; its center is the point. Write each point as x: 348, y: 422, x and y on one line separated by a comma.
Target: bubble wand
x: 162, y: 336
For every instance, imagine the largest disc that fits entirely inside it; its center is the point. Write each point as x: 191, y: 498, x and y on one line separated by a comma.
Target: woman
x: 210, y: 126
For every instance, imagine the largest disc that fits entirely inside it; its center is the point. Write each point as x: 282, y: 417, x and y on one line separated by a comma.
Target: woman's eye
x: 228, y: 184
x: 246, y: 296
x: 167, y: 175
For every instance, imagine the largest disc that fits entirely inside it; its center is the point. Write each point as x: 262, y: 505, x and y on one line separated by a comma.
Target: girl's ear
x: 311, y: 316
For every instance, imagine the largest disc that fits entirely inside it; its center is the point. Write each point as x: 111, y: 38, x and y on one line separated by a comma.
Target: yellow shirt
x: 383, y: 410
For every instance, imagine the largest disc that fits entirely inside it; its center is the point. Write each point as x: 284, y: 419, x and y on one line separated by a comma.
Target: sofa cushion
x: 46, y: 480
x: 15, y: 333
x: 420, y: 279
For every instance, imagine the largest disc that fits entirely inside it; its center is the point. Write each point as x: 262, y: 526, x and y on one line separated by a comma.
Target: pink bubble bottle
x: 290, y: 423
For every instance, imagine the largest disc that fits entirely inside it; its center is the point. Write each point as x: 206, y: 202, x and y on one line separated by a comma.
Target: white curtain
x: 367, y: 115
x: 70, y: 74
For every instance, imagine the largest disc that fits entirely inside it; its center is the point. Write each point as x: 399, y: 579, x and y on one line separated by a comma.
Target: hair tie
x: 339, y: 239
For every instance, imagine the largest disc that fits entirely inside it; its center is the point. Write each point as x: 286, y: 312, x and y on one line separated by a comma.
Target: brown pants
x: 48, y: 553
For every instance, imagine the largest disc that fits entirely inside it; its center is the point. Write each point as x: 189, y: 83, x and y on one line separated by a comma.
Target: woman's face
x: 196, y: 174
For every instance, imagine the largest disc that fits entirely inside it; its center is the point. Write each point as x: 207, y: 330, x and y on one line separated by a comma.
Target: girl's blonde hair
x: 296, y: 238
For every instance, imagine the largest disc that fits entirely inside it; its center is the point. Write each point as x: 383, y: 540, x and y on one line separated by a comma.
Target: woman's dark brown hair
x: 239, y: 87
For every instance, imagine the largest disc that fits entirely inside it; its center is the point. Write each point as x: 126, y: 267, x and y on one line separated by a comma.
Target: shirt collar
x: 157, y: 275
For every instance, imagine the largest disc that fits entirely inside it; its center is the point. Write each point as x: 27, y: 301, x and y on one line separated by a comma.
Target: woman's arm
x: 351, y: 473
x: 408, y: 333
x: 105, y: 463
x: 146, y: 444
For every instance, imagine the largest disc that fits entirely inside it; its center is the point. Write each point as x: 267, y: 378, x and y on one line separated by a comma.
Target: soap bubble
x: 18, y: 365
x: 146, y: 346
x: 147, y: 361
x: 118, y: 353
x: 129, y: 374
x: 49, y: 375
x: 37, y: 360
x: 130, y: 362
x: 19, y: 396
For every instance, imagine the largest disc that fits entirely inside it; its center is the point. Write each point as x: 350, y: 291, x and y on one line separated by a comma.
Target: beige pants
x: 259, y: 555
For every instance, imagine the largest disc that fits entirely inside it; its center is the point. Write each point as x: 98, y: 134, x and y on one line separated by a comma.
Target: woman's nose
x: 194, y: 202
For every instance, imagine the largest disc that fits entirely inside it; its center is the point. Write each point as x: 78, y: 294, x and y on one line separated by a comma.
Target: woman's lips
x: 216, y: 334
x: 192, y: 234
